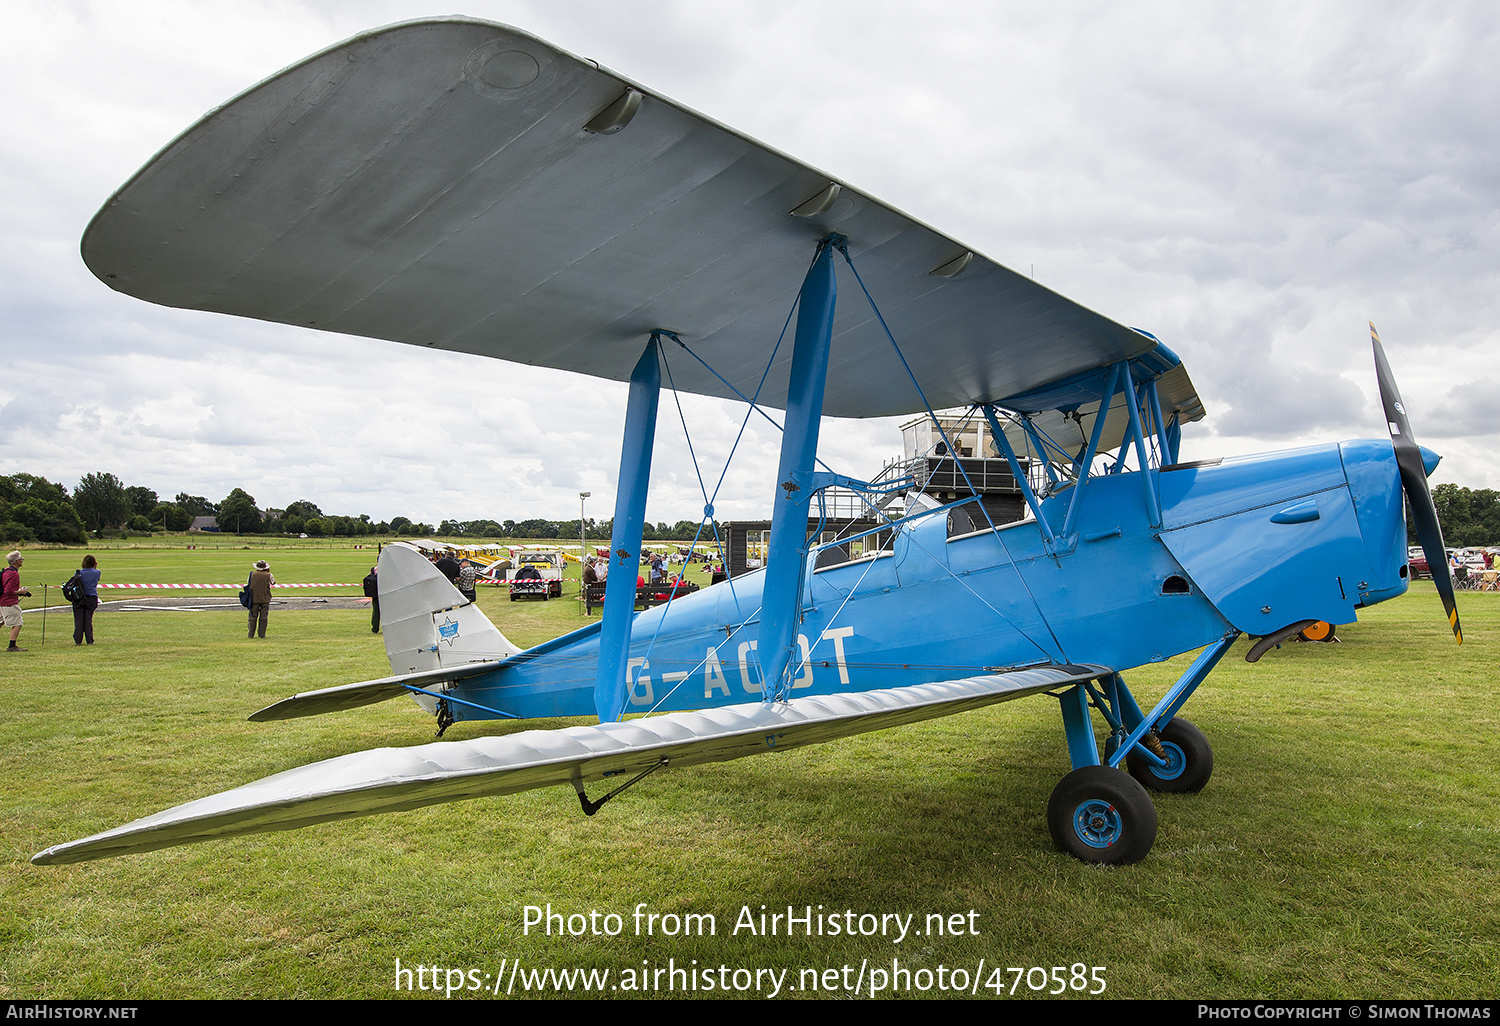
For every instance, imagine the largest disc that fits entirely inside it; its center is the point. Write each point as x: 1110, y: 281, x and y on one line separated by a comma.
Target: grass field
x: 1346, y: 847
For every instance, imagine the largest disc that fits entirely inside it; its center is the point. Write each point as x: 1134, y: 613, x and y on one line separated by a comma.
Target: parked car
x: 1416, y: 562
x: 537, y: 573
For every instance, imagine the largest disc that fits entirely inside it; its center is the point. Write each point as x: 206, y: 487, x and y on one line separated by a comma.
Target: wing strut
x: 591, y: 807
x: 780, y: 604
x: 625, y: 537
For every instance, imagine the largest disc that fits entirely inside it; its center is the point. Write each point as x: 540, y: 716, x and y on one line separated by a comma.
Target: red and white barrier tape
x: 236, y: 587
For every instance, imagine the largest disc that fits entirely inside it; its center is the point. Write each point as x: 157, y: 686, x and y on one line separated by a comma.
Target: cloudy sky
x: 1252, y: 183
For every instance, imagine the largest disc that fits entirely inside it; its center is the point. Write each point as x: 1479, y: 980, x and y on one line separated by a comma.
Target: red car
x: 1416, y: 562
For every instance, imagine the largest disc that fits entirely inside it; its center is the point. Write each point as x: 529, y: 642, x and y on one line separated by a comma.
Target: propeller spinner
x: 1414, y: 483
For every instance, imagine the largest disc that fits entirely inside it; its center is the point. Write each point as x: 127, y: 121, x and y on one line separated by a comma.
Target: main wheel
x: 1190, y: 760
x: 1098, y: 814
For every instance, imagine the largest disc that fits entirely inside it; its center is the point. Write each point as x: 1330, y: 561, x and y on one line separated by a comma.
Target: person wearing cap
x: 260, y: 596
x: 11, y: 594
x: 466, y: 578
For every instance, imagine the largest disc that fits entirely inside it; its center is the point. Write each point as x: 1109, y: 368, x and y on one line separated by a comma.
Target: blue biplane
x: 463, y: 185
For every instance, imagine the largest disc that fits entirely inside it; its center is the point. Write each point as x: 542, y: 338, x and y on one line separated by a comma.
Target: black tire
x: 1189, y: 757
x: 1098, y: 814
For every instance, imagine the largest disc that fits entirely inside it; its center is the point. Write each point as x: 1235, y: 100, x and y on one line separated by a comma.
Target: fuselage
x: 1249, y: 543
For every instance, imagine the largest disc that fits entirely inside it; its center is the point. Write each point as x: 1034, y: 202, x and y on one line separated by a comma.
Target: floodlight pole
x: 781, y: 598
x: 625, y: 536
x: 582, y: 545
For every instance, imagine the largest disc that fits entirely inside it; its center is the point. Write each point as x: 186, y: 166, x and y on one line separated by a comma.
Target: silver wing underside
x: 396, y: 779
x: 368, y: 692
x: 434, y: 183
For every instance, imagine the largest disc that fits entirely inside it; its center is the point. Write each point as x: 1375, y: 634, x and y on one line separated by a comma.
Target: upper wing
x: 394, y: 779
x: 464, y: 185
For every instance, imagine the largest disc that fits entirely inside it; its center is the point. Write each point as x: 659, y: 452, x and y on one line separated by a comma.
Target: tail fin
x: 427, y: 624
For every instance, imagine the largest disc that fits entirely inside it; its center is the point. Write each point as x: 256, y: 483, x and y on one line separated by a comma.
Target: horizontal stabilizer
x: 367, y: 692
x: 396, y: 779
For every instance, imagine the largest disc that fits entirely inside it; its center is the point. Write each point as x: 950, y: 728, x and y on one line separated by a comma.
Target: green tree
x: 302, y: 508
x: 237, y: 513
x: 19, y: 487
x: 101, y: 501
x: 170, y: 518
x: 536, y: 529
x: 1484, y: 508
x: 49, y: 521
x: 29, y: 504
x: 11, y: 531
x: 142, y: 501
x: 196, y: 505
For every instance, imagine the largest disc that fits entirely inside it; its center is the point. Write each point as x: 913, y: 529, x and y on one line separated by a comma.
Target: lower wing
x: 396, y: 779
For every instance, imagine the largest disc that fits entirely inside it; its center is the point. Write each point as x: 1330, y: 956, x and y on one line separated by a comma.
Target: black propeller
x: 1414, y: 483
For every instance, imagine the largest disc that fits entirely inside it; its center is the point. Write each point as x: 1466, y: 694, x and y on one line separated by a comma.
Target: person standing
x: 372, y: 592
x: 88, y: 602
x: 466, y: 577
x: 11, y: 594
x: 260, y: 596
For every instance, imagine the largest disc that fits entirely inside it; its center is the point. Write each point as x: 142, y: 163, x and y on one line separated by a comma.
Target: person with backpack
x: 87, y: 600
x: 11, y: 594
x: 259, y: 585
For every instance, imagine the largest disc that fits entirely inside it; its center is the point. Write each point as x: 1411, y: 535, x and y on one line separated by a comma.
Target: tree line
x: 37, y: 510
x: 33, y: 509
x: 1469, y: 518
x: 562, y: 530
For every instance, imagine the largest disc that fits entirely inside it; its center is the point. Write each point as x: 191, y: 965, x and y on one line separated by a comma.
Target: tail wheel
x: 1098, y: 814
x: 1190, y: 760
x: 1320, y: 631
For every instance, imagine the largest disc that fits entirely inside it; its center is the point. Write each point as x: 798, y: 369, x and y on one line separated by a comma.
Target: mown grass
x: 1346, y: 847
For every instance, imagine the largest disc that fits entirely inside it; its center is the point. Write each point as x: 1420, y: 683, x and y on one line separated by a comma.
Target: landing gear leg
x: 1097, y: 813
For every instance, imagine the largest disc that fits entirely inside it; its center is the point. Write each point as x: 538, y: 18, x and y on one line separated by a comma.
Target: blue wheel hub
x: 1176, y: 762
x: 1097, y: 823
